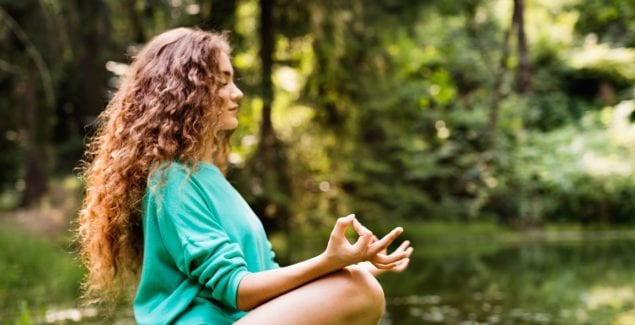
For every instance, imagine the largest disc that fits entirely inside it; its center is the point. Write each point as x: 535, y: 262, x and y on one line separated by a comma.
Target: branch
x: 35, y: 55
x: 8, y: 67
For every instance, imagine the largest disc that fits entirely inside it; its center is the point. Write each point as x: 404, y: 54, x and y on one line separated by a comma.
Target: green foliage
x: 387, y: 109
x: 579, y: 173
x: 413, y: 129
x: 36, y: 275
x: 612, y: 20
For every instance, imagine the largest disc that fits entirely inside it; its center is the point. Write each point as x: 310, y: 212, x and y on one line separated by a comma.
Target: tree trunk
x: 523, y: 77
x: 90, y: 62
x: 497, y: 94
x: 523, y: 86
x: 35, y: 128
x: 34, y: 96
x: 270, y: 160
x: 135, y: 21
x: 498, y: 71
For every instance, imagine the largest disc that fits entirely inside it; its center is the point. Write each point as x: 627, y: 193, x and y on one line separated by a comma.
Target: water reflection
x: 570, y: 280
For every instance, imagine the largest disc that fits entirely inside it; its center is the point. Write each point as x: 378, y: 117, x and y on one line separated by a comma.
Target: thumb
x: 361, y: 245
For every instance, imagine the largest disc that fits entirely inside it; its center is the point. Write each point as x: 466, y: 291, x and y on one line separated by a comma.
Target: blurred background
x: 499, y: 133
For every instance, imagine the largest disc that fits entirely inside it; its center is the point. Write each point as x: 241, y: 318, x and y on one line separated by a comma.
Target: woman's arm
x: 257, y: 288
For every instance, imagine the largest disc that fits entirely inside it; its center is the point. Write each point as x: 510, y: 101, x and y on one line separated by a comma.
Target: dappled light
x: 500, y: 134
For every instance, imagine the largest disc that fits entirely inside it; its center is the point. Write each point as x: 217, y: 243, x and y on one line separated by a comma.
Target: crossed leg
x: 349, y: 296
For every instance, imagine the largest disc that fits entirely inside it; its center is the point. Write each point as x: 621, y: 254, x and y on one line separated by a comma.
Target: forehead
x: 224, y: 64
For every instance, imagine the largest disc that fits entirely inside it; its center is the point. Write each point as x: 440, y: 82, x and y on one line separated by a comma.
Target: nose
x: 237, y: 94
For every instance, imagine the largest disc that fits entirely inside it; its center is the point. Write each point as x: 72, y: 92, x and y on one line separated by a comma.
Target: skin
x: 335, y: 287
x: 341, y: 280
x: 230, y: 94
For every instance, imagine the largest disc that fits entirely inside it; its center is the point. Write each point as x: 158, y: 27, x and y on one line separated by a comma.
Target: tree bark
x: 497, y: 94
x: 135, y: 21
x: 523, y: 76
x: 498, y: 71
x: 90, y: 62
x: 35, y: 128
x: 35, y: 96
x: 270, y: 162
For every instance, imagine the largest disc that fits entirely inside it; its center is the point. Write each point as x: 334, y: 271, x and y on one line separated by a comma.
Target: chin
x: 230, y: 125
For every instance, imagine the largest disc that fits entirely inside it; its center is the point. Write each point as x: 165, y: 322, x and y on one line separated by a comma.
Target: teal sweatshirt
x: 200, y: 239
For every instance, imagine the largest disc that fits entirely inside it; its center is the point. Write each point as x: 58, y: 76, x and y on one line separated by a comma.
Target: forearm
x: 257, y: 288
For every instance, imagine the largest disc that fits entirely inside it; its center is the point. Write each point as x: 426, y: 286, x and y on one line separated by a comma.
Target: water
x: 563, y: 278
x: 572, y: 279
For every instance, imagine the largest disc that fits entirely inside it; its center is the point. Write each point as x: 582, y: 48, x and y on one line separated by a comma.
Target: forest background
x: 513, y: 113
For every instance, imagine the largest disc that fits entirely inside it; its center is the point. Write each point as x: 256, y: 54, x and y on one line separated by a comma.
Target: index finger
x: 342, y: 224
x: 383, y: 243
x: 360, y: 229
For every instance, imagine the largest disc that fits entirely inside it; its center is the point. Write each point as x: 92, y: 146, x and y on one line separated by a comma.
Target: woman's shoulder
x: 177, y: 169
x: 175, y: 172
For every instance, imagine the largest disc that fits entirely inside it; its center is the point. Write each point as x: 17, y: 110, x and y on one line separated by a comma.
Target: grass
x: 38, y: 274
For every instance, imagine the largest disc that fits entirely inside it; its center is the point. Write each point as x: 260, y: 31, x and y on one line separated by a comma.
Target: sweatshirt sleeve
x: 196, y: 240
x: 272, y: 260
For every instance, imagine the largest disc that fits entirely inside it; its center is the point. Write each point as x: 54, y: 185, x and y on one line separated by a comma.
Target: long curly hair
x: 166, y: 109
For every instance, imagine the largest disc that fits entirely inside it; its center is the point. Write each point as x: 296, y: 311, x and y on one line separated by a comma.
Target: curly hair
x: 165, y: 110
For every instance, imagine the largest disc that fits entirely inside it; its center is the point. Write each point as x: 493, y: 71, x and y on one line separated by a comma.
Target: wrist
x: 330, y: 263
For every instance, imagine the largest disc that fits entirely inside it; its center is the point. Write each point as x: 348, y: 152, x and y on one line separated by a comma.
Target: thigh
x: 349, y: 296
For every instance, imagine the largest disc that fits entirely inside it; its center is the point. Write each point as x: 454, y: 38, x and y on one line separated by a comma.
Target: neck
x: 208, y: 155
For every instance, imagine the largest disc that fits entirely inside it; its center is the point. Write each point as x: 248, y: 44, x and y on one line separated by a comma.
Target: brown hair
x: 165, y: 110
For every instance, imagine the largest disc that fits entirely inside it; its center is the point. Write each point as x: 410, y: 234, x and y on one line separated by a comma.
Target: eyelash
x: 223, y: 84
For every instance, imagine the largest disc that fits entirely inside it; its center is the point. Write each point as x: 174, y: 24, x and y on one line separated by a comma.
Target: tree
x: 523, y: 76
x: 269, y: 163
x: 35, y: 123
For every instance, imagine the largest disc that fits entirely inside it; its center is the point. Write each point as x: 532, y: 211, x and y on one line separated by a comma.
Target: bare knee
x: 364, y: 292
x: 350, y: 296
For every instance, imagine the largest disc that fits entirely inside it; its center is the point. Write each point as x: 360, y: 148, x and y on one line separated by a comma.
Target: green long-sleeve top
x: 200, y: 239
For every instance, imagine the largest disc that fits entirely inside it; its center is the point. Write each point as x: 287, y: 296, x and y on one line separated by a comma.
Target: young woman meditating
x: 159, y: 215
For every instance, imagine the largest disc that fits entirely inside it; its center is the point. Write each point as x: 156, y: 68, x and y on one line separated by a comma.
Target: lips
x: 235, y: 108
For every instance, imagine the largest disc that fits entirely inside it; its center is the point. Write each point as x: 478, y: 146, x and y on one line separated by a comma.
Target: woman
x: 158, y: 205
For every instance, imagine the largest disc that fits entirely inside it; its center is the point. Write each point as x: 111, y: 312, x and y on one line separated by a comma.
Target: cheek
x: 224, y: 95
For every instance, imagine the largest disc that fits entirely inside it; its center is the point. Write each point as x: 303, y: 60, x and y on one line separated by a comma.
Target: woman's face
x: 230, y: 94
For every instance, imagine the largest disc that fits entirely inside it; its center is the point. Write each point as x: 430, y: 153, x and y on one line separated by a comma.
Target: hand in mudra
x: 379, y: 266
x: 367, y: 247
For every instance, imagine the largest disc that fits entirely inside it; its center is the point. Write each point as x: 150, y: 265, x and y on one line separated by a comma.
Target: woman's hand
x: 376, y: 267
x: 397, y: 261
x: 342, y: 253
x: 256, y: 288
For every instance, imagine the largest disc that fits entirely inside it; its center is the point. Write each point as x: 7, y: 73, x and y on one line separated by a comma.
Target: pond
x: 562, y: 279
x: 500, y: 277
